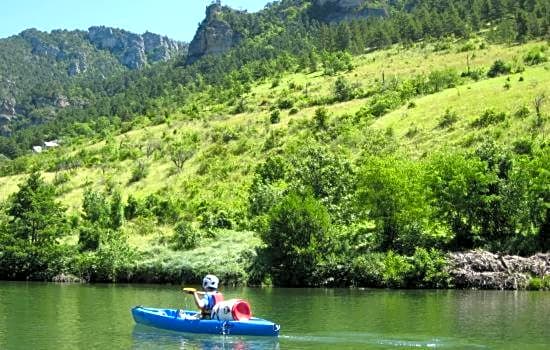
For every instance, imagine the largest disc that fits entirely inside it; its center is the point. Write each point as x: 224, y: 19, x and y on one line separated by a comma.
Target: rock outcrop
x: 214, y: 35
x: 484, y: 270
x: 133, y: 50
x: 7, y: 114
x: 344, y: 10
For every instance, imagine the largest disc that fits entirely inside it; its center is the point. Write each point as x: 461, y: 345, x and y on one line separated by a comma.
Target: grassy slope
x: 220, y: 172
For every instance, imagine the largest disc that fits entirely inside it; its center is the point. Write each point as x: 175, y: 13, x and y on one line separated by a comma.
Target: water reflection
x: 151, y: 338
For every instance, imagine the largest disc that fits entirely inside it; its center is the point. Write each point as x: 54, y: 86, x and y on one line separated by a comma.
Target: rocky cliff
x: 131, y: 50
x: 484, y: 270
x: 214, y: 35
x: 134, y: 50
x: 344, y: 10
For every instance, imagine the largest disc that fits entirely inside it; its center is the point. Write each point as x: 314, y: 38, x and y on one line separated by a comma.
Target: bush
x: 368, y: 269
x: 321, y: 118
x: 535, y: 283
x: 499, y: 67
x: 185, y: 236
x: 343, y: 91
x: 523, y: 146
x: 430, y: 269
x: 448, y: 119
x: 89, y: 238
x: 489, y: 117
x: 293, y: 111
x: 535, y: 56
x: 285, y: 103
x: 275, y: 117
x: 397, y: 271
x: 139, y: 172
x: 522, y: 112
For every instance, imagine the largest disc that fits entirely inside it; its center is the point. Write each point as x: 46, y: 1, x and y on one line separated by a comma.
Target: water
x: 52, y: 316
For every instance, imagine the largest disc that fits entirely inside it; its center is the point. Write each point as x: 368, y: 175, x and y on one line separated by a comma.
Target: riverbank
x: 426, y: 269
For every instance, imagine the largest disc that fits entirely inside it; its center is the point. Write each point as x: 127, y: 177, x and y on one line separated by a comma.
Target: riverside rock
x: 485, y: 270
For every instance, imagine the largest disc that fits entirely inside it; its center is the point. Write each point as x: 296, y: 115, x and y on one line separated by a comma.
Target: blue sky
x: 177, y: 19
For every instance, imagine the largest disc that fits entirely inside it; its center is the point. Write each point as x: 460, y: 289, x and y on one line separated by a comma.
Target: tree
x: 296, y: 236
x: 343, y: 90
x: 391, y: 192
x: 35, y: 215
x: 29, y: 245
x: 180, y: 152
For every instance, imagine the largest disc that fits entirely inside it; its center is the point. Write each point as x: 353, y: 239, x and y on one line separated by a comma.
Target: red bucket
x: 232, y: 310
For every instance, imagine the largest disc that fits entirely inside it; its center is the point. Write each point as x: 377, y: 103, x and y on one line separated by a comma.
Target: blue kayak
x: 186, y: 321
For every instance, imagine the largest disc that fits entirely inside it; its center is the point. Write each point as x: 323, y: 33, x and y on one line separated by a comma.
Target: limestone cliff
x: 134, y: 50
x: 214, y: 35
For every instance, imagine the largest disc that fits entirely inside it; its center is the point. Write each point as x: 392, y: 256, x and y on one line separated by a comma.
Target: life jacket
x: 213, y: 299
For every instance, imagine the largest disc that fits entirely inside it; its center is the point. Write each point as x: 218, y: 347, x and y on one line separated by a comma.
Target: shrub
x: 489, y: 117
x: 321, y: 117
x: 293, y: 110
x: 275, y: 117
x: 522, y: 112
x: 535, y: 56
x: 397, y: 270
x: 499, y: 67
x: 430, y: 269
x: 535, y: 283
x: 89, y: 238
x: 285, y: 103
x: 139, y: 172
x: 185, y: 236
x: 343, y: 91
x: 368, y: 269
x: 448, y: 119
x: 523, y: 146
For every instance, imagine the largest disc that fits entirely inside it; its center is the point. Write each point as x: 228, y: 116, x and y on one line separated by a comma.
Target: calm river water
x: 53, y: 316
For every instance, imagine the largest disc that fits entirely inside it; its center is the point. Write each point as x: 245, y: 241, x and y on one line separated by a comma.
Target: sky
x: 177, y: 19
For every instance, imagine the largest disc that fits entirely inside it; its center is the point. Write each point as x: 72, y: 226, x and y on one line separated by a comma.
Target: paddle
x: 189, y: 290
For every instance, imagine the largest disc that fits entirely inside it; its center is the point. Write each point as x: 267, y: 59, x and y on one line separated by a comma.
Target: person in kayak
x: 206, y: 300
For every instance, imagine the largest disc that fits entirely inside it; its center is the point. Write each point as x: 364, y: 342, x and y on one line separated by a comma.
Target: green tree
x: 29, y: 247
x: 296, y: 238
x: 391, y: 192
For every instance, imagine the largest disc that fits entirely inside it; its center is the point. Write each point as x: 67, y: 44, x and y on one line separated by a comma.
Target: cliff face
x: 134, y: 50
x: 333, y: 11
x: 214, y: 36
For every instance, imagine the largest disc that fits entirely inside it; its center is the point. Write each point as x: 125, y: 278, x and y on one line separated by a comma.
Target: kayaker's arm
x: 198, y: 299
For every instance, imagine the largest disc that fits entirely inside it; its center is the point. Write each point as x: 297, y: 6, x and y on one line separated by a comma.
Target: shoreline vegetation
x: 355, y: 154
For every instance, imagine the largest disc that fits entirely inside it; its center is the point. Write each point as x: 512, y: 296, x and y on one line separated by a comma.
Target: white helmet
x: 210, y: 281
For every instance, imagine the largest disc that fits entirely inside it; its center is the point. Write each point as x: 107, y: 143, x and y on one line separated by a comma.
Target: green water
x: 52, y: 316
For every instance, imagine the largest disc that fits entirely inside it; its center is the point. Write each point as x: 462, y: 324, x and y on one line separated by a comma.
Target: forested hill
x: 350, y: 142
x: 41, y: 72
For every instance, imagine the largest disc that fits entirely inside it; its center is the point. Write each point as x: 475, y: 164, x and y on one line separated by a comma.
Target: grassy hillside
x: 222, y: 148
x: 231, y: 144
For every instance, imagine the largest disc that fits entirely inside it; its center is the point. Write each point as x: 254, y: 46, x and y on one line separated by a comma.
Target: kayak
x: 188, y: 321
